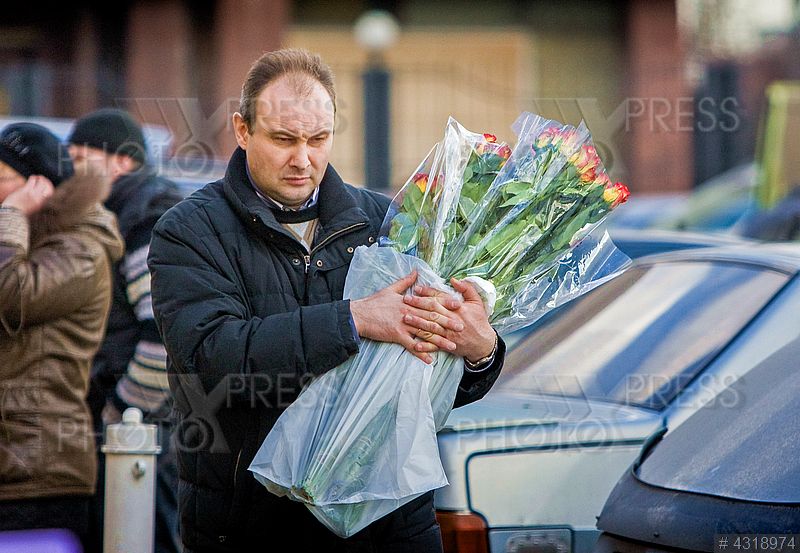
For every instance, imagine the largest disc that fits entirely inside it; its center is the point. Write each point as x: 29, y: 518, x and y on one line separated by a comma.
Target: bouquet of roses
x: 361, y: 440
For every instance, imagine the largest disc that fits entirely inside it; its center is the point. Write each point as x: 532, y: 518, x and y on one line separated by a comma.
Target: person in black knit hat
x: 130, y: 368
x: 113, y: 131
x: 31, y: 149
x: 57, y: 246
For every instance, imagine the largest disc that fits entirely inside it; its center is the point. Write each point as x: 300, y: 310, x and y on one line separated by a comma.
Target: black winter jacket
x: 138, y: 200
x: 247, y: 321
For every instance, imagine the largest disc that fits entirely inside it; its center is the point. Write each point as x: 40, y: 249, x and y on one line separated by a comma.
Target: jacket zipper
x: 336, y: 235
x: 307, y: 256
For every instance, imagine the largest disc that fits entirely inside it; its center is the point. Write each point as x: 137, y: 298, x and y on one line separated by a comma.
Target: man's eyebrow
x: 286, y: 132
x: 320, y: 131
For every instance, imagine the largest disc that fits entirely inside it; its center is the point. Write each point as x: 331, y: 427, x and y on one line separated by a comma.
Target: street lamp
x: 376, y: 31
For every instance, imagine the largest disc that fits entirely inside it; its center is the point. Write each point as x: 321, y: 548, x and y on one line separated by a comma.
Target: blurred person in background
x: 57, y: 246
x: 130, y: 368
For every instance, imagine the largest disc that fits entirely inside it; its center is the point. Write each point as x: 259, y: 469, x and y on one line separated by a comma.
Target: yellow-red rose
x: 616, y: 194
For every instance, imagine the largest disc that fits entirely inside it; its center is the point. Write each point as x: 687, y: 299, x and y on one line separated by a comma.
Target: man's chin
x: 296, y: 201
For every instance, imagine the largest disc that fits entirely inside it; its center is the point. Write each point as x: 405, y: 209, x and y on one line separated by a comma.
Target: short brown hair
x: 272, y: 65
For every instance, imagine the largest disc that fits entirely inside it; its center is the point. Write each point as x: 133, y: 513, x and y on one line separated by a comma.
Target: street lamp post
x: 376, y: 31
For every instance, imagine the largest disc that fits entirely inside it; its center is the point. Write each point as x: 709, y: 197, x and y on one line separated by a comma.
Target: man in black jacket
x: 248, y: 277
x: 129, y: 370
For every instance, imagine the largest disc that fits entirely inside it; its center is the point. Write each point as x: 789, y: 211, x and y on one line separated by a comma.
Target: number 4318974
x: 764, y: 543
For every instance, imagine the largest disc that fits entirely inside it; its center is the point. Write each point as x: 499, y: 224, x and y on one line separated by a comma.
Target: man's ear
x: 240, y: 130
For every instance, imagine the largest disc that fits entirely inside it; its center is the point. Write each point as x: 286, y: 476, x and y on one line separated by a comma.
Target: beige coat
x: 55, y: 293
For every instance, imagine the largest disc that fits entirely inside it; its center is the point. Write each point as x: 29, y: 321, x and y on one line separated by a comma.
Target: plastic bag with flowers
x: 360, y: 441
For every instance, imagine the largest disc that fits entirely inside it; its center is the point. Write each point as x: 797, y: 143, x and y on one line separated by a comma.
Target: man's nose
x: 300, y: 157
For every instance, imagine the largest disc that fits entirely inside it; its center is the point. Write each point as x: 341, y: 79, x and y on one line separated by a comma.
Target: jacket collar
x: 338, y: 209
x: 124, y: 189
x: 70, y: 204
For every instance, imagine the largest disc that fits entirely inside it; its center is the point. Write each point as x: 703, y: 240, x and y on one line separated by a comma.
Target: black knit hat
x: 31, y: 149
x: 110, y: 130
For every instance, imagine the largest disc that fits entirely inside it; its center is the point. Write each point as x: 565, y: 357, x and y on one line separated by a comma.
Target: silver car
x: 531, y: 465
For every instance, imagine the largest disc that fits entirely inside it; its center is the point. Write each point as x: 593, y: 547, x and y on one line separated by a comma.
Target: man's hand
x: 32, y: 196
x: 441, y: 318
x: 380, y: 317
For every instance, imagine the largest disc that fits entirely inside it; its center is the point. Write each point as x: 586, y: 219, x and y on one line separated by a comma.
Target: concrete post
x: 130, y: 448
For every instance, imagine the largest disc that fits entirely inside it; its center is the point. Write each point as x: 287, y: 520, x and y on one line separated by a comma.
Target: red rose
x: 616, y: 194
x: 588, y: 175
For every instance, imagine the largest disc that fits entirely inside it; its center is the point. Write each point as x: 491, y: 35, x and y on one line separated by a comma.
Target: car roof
x: 640, y: 242
x: 783, y: 257
x: 734, y: 462
x: 779, y: 256
x: 773, y: 269
x: 686, y: 237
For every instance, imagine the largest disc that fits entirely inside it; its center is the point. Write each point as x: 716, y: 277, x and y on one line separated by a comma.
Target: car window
x: 642, y: 337
x: 744, y: 444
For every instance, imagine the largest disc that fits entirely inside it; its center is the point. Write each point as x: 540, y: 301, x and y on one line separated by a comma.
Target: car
x: 649, y: 210
x: 636, y: 243
x: 729, y: 472
x: 191, y: 174
x: 639, y: 243
x: 531, y: 464
x: 717, y: 205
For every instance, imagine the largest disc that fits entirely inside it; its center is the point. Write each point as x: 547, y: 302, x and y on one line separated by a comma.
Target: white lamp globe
x: 376, y: 30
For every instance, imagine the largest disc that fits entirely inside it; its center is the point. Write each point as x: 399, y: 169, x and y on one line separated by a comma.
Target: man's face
x: 90, y: 160
x: 10, y: 181
x: 291, y: 140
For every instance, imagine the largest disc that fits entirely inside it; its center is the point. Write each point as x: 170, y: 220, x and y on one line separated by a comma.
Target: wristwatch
x: 483, y: 360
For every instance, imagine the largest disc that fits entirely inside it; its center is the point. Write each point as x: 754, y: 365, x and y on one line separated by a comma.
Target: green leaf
x: 403, y: 231
x: 412, y: 200
x: 466, y: 206
x: 473, y: 191
x: 406, y: 238
x: 504, y: 235
x: 493, y: 162
x: 516, y: 187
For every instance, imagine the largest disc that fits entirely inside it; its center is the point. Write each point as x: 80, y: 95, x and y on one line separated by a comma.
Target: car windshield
x: 641, y: 338
x: 744, y: 444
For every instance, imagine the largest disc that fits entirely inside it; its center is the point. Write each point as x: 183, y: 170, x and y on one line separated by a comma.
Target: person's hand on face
x: 32, y: 196
x: 440, y: 320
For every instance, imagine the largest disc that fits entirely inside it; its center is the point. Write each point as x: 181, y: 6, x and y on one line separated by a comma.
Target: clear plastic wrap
x: 524, y: 226
x: 548, y: 199
x: 361, y: 440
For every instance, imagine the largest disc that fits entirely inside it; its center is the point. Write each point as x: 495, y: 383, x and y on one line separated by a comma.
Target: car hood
x: 507, y: 423
x: 504, y: 409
